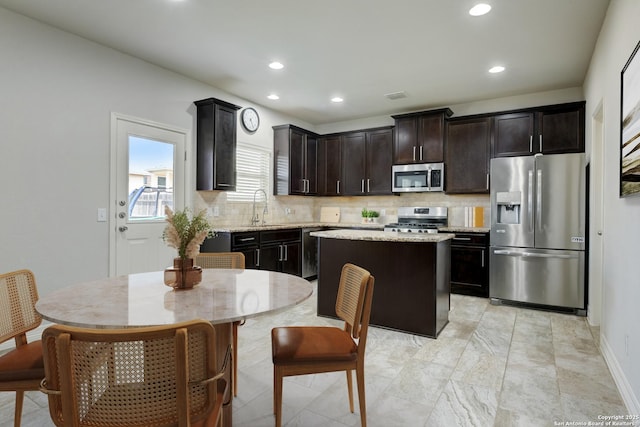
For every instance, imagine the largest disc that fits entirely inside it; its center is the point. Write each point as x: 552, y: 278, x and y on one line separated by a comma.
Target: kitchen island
x: 411, y: 271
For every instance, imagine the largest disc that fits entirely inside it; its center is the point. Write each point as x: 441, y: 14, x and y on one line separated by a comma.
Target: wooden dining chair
x: 21, y: 369
x: 301, y: 350
x: 151, y: 376
x: 226, y: 260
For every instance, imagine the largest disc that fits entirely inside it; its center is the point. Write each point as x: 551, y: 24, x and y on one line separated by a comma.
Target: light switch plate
x: 102, y: 214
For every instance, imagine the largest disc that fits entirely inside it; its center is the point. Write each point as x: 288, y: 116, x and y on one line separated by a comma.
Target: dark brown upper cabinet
x: 330, y: 165
x: 419, y: 137
x: 216, y: 127
x: 367, y: 161
x: 548, y: 130
x: 467, y: 155
x: 295, y: 152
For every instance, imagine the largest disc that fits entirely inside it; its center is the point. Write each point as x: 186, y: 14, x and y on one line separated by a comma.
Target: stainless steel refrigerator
x: 538, y: 230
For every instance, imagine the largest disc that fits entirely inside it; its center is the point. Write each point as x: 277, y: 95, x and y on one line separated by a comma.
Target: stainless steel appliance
x: 538, y: 230
x: 417, y: 177
x: 309, y: 253
x: 418, y: 220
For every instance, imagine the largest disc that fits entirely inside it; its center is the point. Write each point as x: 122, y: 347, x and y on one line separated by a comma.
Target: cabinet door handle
x: 466, y: 239
x: 362, y: 185
x: 338, y: 187
x: 421, y: 153
x: 286, y: 252
x: 482, y: 258
x: 414, y: 153
x: 531, y: 143
x: 368, y: 185
x: 280, y: 253
x: 258, y: 257
x: 247, y: 239
x: 223, y: 185
x: 541, y: 143
x: 487, y: 181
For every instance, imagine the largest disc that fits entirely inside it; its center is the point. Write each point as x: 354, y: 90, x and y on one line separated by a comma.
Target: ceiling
x: 359, y: 50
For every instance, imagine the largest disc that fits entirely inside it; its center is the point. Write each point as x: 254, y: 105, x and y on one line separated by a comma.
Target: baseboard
x: 629, y: 398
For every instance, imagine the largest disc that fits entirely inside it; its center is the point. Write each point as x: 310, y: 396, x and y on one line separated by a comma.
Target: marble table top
x: 223, y: 296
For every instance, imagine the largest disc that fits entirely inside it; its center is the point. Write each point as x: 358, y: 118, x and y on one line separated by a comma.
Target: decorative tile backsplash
x: 296, y: 209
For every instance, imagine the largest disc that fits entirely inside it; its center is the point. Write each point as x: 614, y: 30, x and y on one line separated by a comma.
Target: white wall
x: 620, y: 334
x: 58, y: 92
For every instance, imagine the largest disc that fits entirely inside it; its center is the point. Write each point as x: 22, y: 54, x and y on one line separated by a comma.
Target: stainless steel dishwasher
x: 309, y: 253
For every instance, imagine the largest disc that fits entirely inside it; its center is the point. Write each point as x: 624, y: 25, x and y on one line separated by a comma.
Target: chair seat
x: 312, y: 344
x: 22, y: 363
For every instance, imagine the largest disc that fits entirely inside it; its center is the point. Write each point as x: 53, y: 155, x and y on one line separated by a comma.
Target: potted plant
x: 369, y: 216
x: 186, y: 234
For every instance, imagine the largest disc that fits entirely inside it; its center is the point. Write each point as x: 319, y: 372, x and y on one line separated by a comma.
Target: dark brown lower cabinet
x: 470, y: 264
x: 411, y: 291
x: 273, y: 250
x: 281, y: 250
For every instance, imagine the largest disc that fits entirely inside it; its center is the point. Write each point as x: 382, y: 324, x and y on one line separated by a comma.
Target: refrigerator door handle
x: 506, y: 252
x: 530, y: 201
x: 536, y: 255
x: 539, y: 200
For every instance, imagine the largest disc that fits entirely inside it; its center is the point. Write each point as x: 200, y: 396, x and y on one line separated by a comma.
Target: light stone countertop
x: 461, y: 229
x: 382, y: 236
x: 338, y: 225
x: 242, y: 228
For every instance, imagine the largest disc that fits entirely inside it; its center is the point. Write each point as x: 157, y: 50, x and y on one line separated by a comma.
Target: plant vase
x: 369, y: 220
x: 183, y: 274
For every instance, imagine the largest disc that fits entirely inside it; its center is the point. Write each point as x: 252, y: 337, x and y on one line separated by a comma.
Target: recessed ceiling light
x: 273, y: 97
x: 479, y: 9
x: 275, y: 65
x: 496, y: 69
x: 336, y: 99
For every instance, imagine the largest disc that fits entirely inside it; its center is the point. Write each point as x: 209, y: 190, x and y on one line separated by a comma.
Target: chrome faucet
x: 255, y: 217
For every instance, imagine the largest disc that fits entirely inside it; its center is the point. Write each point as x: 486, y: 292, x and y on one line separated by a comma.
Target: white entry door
x: 148, y: 172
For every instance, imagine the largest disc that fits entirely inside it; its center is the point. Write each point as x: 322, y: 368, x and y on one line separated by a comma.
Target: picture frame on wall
x: 630, y: 126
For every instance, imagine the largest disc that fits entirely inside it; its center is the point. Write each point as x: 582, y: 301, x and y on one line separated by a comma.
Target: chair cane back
x: 226, y: 260
x: 151, y: 376
x: 301, y: 350
x: 22, y: 368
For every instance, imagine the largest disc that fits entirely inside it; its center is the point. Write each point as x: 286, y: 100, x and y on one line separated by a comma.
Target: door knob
x: 123, y: 228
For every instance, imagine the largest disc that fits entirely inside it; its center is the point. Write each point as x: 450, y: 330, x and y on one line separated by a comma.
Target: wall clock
x: 250, y: 119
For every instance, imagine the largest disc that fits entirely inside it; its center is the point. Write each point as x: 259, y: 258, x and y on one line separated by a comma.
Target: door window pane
x: 150, y: 178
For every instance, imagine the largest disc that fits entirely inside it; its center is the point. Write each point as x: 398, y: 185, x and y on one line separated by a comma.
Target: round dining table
x: 222, y: 297
x: 142, y: 299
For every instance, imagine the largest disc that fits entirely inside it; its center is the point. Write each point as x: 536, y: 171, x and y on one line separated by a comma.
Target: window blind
x: 252, y: 172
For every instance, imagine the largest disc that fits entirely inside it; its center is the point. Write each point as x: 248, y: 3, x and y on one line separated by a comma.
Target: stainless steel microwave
x: 418, y: 177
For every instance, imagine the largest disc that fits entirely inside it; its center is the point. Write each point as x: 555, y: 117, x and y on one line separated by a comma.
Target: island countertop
x: 383, y: 236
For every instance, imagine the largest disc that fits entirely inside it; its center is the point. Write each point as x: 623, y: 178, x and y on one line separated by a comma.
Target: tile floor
x: 491, y: 366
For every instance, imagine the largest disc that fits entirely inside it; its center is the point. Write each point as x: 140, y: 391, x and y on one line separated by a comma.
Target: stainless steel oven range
x: 419, y: 220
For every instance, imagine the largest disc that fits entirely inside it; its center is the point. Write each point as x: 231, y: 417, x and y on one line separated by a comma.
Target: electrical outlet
x: 287, y: 211
x: 383, y: 212
x: 216, y: 211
